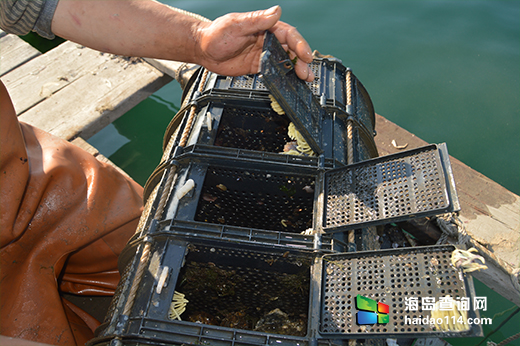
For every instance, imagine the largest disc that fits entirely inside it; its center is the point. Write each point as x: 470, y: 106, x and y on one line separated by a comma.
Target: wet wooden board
x: 73, y: 91
x: 489, y: 212
x: 14, y: 52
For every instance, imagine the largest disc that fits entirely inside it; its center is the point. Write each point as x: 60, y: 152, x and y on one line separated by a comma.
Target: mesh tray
x: 389, y: 277
x: 291, y: 93
x: 252, y: 129
x: 388, y: 189
x: 246, y: 196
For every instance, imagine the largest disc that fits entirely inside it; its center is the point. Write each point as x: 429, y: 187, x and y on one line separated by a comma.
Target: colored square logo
x: 383, y: 308
x: 372, y: 312
x: 366, y: 317
x: 383, y: 318
x: 364, y: 303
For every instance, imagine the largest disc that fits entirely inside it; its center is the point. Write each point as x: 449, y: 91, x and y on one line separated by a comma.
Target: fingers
x: 294, y: 42
x: 288, y: 35
x: 233, y: 43
x: 259, y: 21
x: 302, y: 69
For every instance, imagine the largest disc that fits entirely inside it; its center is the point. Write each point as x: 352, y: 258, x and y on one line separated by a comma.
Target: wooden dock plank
x: 96, y: 99
x: 489, y: 211
x: 14, y: 52
x: 39, y: 78
x: 75, y: 91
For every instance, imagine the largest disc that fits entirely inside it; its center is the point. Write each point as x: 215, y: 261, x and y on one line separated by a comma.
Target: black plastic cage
x: 242, y: 196
x: 250, y: 295
x: 237, y: 295
x: 246, y: 191
x: 256, y: 241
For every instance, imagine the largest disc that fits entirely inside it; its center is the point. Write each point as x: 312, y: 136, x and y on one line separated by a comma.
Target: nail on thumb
x: 271, y: 11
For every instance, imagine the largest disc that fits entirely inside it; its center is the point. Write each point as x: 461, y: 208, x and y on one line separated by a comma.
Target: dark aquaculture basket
x: 240, y: 196
x: 238, y: 295
x: 254, y: 241
x: 249, y: 295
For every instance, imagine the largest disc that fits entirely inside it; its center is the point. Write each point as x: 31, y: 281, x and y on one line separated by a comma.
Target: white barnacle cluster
x: 467, y: 260
x: 275, y: 105
x: 298, y: 145
x: 302, y: 147
x: 178, y: 306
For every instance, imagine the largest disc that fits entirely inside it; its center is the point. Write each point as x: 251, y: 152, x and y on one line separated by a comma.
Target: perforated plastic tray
x: 392, y: 188
x: 390, y: 277
x: 293, y: 95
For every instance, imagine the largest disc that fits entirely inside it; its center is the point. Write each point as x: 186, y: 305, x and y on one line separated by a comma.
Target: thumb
x: 259, y: 21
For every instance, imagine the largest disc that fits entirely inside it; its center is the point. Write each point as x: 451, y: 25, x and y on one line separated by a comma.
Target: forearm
x: 229, y: 45
x: 129, y: 27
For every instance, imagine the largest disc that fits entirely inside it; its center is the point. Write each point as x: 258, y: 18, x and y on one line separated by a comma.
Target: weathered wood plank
x: 96, y: 99
x: 489, y: 212
x: 181, y: 71
x: 14, y: 52
x: 2, y: 33
x: 43, y: 76
x: 169, y: 67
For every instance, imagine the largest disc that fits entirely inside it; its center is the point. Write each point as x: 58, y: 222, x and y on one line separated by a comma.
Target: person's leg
x: 63, y: 215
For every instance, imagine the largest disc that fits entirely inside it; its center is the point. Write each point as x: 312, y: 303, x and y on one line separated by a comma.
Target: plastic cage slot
x: 257, y: 199
x: 250, y: 290
x: 252, y: 129
x: 390, y: 277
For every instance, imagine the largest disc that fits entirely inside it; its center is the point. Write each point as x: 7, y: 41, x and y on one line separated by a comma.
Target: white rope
x: 452, y: 226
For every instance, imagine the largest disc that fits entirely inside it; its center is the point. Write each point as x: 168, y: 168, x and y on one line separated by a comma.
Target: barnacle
x: 302, y: 147
x: 275, y: 105
x: 222, y: 187
x: 450, y: 319
x: 467, y: 260
x: 178, y: 306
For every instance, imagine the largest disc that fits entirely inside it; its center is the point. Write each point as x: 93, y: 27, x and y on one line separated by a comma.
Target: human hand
x: 232, y: 44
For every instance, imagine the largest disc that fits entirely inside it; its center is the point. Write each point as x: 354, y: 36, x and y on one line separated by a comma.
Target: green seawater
x: 447, y: 71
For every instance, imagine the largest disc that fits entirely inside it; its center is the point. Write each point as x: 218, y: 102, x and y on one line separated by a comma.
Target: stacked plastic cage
x: 261, y: 178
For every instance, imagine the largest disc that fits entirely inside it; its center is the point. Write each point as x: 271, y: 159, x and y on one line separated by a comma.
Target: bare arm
x: 230, y: 45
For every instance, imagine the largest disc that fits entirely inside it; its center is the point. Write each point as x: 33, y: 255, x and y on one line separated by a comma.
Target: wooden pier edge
x: 489, y: 212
